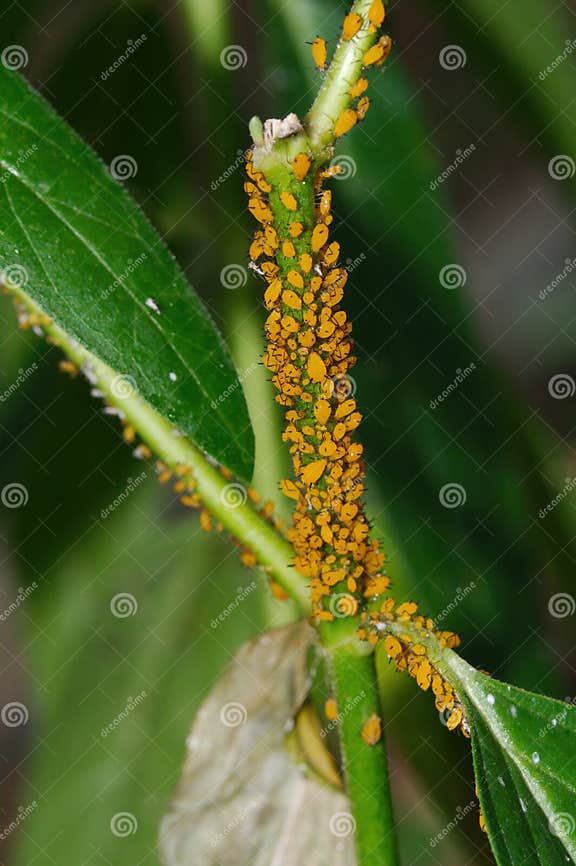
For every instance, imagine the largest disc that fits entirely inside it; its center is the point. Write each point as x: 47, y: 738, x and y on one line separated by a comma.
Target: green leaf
x: 77, y: 244
x: 525, y: 765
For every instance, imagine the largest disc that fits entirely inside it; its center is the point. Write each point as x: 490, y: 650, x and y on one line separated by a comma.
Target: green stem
x: 344, y: 70
x: 353, y: 675
x: 241, y: 520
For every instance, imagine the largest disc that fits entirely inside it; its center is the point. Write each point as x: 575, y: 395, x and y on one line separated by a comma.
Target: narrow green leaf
x: 525, y: 765
x: 74, y: 240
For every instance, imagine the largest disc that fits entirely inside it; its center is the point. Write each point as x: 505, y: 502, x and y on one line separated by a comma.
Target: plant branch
x: 242, y: 520
x: 355, y: 687
x: 344, y: 70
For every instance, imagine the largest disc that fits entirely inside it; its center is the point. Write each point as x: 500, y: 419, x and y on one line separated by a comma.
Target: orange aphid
x: 376, y: 13
x: 312, y: 472
x: 358, y: 87
x: 372, y: 730
x: 392, y: 646
x: 295, y: 279
x: 322, y: 411
x: 272, y: 292
x: 289, y: 489
x: 288, y: 249
x: 305, y: 262
x: 345, y: 122
x: 295, y: 229
x: 319, y: 236
x: 288, y: 200
x: 319, y: 53
x: 316, y: 367
x: 352, y: 24
x: 278, y: 591
x: 377, y: 54
x: 362, y: 107
x: 455, y: 718
x: 331, y: 709
x: 260, y: 210
x: 291, y: 299
x: 325, y: 203
x: 301, y: 165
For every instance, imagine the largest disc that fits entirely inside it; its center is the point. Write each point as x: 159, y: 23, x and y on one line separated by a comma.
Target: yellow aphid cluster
x: 309, y: 353
x: 407, y: 650
x: 354, y: 23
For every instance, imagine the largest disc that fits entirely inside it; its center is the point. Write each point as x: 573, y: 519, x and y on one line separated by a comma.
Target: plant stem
x: 353, y: 675
x: 344, y: 70
x: 243, y: 521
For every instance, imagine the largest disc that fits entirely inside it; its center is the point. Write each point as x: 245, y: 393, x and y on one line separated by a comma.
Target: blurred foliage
x: 183, y: 118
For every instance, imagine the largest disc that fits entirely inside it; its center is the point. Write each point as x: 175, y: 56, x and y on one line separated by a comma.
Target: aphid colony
x: 309, y: 353
x: 407, y: 651
x: 374, y: 56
